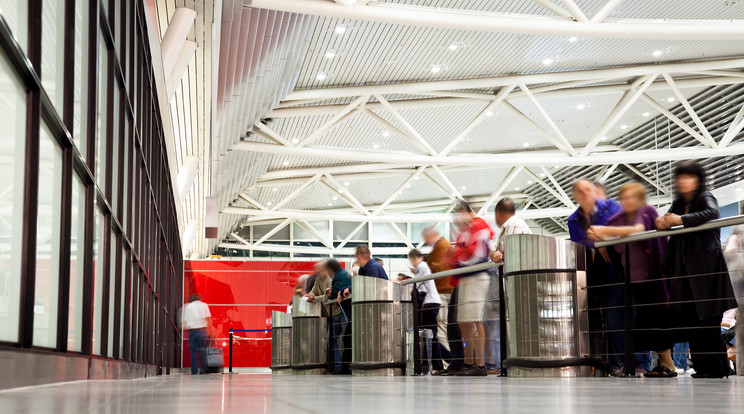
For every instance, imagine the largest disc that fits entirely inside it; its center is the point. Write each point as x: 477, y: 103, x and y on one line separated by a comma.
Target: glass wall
x: 87, y: 209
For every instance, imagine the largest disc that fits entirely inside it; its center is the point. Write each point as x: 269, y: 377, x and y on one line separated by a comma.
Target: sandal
x: 660, y: 372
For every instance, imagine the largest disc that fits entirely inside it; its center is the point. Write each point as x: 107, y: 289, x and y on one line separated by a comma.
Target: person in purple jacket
x: 650, y: 288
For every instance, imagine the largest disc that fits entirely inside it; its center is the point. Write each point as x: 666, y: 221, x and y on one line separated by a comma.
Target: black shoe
x: 450, y: 372
x: 473, y: 371
x: 703, y: 375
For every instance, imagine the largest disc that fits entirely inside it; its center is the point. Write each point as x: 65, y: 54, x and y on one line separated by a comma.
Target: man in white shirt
x: 509, y: 224
x: 198, y: 321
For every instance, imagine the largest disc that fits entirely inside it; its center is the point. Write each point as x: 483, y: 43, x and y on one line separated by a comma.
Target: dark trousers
x: 198, y: 349
x: 707, y: 350
x: 457, y: 352
x: 346, y: 339
x: 428, y: 320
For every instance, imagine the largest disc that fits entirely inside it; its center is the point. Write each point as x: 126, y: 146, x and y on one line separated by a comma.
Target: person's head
x: 299, y: 291
x: 504, y: 210
x: 333, y: 267
x: 380, y: 261
x: 600, y: 191
x: 464, y: 215
x: 303, y: 279
x: 402, y: 276
x: 362, y: 254
x: 430, y: 234
x: 689, y: 177
x: 416, y: 257
x: 632, y: 197
x: 584, y: 194
x: 320, y: 270
x: 194, y: 297
x: 355, y: 268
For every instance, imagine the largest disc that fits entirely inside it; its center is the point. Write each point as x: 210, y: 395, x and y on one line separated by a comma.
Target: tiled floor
x: 262, y: 393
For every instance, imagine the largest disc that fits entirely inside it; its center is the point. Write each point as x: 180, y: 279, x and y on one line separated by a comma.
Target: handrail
x: 453, y: 272
x: 653, y: 234
x: 329, y: 302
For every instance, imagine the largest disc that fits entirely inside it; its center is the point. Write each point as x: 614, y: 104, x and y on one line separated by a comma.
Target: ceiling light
x: 529, y: 182
x: 417, y: 178
x: 525, y: 144
x: 517, y: 188
x: 330, y: 54
x: 573, y: 39
x: 321, y: 76
x: 386, y: 133
x: 547, y: 61
x: 375, y: 146
x: 335, y: 198
x: 269, y: 203
x: 330, y: 204
x: 670, y: 99
x: 453, y: 46
x: 645, y: 114
x: 603, y: 139
x: 436, y: 69
x: 623, y: 126
x: 408, y: 185
x: 542, y: 175
x: 346, y: 183
x: 340, y: 29
x: 580, y: 106
x: 657, y: 53
x: 295, y: 140
x: 275, y: 189
x: 463, y: 187
x: 285, y: 163
x: 489, y: 113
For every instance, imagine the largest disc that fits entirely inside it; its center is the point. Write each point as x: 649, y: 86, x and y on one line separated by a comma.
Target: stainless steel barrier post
x: 281, y: 343
x: 546, y: 304
x: 629, y: 360
x: 308, y: 338
x: 231, y: 351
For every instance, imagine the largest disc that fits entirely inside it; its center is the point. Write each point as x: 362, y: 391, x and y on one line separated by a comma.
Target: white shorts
x: 471, y: 298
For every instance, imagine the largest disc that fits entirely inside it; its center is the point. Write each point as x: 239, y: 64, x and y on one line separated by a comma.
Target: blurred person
x: 380, y: 261
x: 368, y: 266
x: 733, y: 251
x: 354, y: 269
x: 341, y: 281
x: 448, y: 333
x: 302, y: 281
x: 600, y: 191
x: 429, y: 307
x: 650, y: 288
x: 508, y: 223
x: 472, y: 247
x: 595, y: 212
x: 701, y: 290
x: 322, y: 284
x: 401, y: 277
x: 198, y: 321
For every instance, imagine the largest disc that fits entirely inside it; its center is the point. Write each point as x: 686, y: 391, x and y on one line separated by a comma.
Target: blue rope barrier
x: 252, y: 330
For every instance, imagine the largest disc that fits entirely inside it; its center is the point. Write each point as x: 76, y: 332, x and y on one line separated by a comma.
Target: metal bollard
x: 281, y: 343
x: 308, y: 338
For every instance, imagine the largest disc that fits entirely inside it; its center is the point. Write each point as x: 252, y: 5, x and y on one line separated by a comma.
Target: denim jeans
x: 337, y: 331
x: 198, y: 347
x: 679, y: 354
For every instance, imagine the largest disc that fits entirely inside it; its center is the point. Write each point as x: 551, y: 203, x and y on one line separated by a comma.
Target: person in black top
x: 700, y: 286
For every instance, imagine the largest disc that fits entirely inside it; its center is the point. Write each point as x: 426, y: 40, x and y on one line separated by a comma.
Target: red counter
x: 241, y: 295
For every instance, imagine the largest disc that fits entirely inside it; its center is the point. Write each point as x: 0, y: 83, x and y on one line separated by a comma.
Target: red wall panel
x: 241, y: 295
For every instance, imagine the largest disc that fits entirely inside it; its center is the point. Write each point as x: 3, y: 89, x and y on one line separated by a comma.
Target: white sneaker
x: 690, y: 371
x: 680, y: 371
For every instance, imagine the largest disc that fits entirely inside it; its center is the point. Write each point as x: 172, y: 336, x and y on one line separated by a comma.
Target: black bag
x: 215, y: 360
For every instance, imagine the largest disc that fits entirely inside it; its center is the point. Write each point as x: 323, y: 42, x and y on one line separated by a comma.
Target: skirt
x: 471, y: 300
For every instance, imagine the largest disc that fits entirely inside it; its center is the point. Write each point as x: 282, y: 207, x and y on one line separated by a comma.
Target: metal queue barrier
x: 308, y: 338
x: 546, y: 302
x: 281, y: 343
x: 381, y: 314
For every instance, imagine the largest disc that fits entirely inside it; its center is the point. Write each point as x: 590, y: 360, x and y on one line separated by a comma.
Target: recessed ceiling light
x: 573, y: 39
x: 517, y: 188
x: 340, y: 29
x: 529, y: 182
x: 645, y: 114
x: 330, y: 54
x: 285, y: 163
x: 542, y: 175
x: 321, y: 76
x: 463, y: 187
x: 335, y: 198
x: 547, y: 61
x: 453, y: 46
x: 489, y: 113
x: 525, y: 144
x: 436, y: 69
x: 417, y: 178
x: 269, y: 203
x: 603, y: 139
x: 375, y: 146
x: 670, y: 99
x: 623, y: 126
x: 346, y: 183
x: 580, y: 106
x: 386, y: 133
x: 657, y: 53
x: 330, y: 204
x: 275, y: 189
x: 295, y: 140
x: 408, y: 185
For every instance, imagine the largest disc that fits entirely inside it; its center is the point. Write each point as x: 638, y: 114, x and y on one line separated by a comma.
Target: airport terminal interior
x: 371, y: 205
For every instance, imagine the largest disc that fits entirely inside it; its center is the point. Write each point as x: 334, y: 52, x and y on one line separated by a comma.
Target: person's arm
x: 577, y: 235
x: 607, y: 232
x: 708, y: 213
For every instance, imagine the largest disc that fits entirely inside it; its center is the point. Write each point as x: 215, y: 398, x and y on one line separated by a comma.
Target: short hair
x: 194, y: 297
x: 415, y: 253
x: 361, y: 249
x: 579, y: 181
x: 463, y: 206
x: 333, y: 265
x: 599, y: 185
x: 505, y: 205
x: 637, y: 189
x: 429, y: 230
x: 690, y: 168
x: 378, y: 260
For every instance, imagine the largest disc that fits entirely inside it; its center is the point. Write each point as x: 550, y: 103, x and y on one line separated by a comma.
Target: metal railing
x: 674, y: 231
x: 480, y: 267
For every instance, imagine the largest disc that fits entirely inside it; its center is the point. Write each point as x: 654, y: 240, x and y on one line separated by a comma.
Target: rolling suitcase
x: 215, y: 360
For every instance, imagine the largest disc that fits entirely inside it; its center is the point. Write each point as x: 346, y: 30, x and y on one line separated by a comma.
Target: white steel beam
x: 554, y: 193
x: 312, y: 230
x: 337, y: 119
x: 674, y: 118
x: 553, y: 8
x: 175, y: 36
x: 530, y: 158
x: 405, y: 124
x: 348, y: 198
x: 495, y: 22
x: 382, y: 121
x: 513, y: 173
x: 252, y: 202
x: 645, y: 178
x: 401, y: 236
x: 557, y: 186
x: 575, y: 11
x: 273, y: 135
x: 297, y: 191
x: 623, y: 105
x: 240, y: 239
x: 550, y: 137
x: 186, y: 176
x: 603, y: 177
x: 390, y: 199
x: 273, y: 231
x: 605, y: 11
x: 479, y: 118
x: 565, y: 145
x: 447, y: 182
x: 690, y: 110
x: 551, y: 91
x: 736, y: 126
x: 439, y: 186
x: 352, y: 234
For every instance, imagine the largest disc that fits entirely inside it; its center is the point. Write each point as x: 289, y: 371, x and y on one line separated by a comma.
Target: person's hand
x: 672, y: 220
x: 309, y: 297
x: 328, y: 293
x: 340, y: 298
x: 412, y: 270
x: 347, y: 292
x: 661, y: 223
x: 497, y: 256
x: 605, y: 254
x: 597, y: 233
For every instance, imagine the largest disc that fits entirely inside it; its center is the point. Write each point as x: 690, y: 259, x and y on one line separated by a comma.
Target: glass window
x: 15, y: 13
x: 12, y: 143
x: 113, y: 277
x: 103, y: 97
x: 82, y: 34
x: 77, y: 265
x: 115, y: 144
x: 98, y: 279
x: 52, y: 50
x: 125, y: 190
x: 47, y: 240
x: 123, y: 324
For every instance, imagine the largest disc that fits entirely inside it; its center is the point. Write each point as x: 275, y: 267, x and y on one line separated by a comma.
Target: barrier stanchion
x: 629, y: 361
x: 230, y: 351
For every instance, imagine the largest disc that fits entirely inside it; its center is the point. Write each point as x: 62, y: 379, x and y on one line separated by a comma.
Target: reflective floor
x: 259, y: 393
